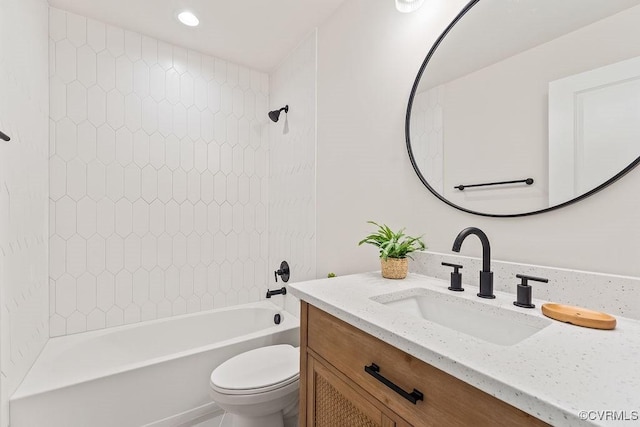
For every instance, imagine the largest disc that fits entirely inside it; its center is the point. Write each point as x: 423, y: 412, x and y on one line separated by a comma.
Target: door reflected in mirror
x: 541, y: 89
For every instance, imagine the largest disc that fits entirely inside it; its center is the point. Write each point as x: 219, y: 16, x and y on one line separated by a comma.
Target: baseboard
x: 188, y: 418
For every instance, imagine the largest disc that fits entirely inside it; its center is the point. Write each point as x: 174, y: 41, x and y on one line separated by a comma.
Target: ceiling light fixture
x: 188, y: 19
x: 406, y: 6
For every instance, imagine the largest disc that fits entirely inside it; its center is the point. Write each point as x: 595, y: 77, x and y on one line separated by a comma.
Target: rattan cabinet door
x: 333, y: 402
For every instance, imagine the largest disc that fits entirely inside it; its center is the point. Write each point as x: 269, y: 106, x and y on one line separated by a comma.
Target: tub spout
x: 281, y: 291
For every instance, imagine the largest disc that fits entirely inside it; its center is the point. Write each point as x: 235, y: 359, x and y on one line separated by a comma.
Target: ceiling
x: 494, y: 30
x: 255, y: 33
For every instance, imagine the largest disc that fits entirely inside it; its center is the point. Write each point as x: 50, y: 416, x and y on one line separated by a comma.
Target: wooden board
x: 579, y: 316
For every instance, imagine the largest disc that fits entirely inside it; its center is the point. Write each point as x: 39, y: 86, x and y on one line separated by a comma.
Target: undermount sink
x: 485, y: 321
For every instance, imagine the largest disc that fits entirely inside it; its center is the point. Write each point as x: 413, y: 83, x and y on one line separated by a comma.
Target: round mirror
x: 523, y: 106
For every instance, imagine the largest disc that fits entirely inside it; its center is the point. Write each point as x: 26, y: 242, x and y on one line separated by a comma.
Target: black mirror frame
x: 414, y: 89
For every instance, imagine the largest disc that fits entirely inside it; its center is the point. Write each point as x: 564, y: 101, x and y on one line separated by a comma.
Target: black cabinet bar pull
x: 374, y: 371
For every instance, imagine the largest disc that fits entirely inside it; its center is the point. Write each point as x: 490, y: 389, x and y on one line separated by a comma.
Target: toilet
x: 258, y: 388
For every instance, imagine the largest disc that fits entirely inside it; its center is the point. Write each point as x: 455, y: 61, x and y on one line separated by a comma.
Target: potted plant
x: 394, y: 250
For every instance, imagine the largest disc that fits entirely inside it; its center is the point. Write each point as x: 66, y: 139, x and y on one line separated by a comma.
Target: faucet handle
x: 455, y: 266
x: 525, y: 278
x: 456, y: 277
x: 524, y: 290
x: 284, y: 272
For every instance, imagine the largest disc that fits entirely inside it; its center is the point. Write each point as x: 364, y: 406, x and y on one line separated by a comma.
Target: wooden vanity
x: 336, y: 390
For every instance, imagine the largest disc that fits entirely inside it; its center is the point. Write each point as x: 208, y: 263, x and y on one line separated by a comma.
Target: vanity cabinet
x: 336, y: 390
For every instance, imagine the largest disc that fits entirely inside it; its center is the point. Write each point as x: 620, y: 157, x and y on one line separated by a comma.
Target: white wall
x: 24, y: 111
x: 503, y: 108
x: 368, y: 56
x: 158, y: 186
x: 292, y: 166
x: 427, y: 135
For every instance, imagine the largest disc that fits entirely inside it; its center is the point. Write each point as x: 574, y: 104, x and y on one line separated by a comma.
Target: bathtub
x: 154, y: 373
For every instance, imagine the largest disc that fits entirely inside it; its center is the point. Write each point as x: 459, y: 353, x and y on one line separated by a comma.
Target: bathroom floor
x: 211, y: 422
x: 217, y: 422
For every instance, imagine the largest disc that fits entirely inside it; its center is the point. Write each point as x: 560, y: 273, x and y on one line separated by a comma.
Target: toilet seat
x: 258, y: 371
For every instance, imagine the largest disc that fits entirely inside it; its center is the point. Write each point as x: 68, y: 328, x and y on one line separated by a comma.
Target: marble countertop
x: 565, y: 375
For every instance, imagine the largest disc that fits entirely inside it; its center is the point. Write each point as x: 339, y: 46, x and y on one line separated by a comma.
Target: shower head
x: 275, y: 114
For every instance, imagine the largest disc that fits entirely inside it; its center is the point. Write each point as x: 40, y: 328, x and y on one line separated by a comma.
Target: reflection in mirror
x: 541, y: 89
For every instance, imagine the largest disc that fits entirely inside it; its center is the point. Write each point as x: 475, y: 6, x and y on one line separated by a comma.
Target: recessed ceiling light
x: 407, y: 6
x: 188, y: 19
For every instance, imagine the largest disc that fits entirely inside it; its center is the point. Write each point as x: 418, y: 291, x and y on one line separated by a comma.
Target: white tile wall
x: 159, y: 169
x: 24, y: 111
x: 292, y: 189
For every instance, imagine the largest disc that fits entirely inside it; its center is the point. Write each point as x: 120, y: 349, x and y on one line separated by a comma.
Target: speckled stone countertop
x: 562, y: 374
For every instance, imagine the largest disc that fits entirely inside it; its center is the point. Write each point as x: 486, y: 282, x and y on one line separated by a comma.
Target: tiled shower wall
x: 158, y: 180
x: 24, y: 112
x: 292, y: 160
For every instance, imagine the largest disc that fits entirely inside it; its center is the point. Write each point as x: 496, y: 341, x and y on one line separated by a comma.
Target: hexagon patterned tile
x: 154, y: 171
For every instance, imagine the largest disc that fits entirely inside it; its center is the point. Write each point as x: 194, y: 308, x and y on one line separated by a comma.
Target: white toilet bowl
x: 258, y: 388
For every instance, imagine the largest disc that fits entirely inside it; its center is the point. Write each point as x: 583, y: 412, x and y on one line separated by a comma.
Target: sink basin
x: 491, y: 323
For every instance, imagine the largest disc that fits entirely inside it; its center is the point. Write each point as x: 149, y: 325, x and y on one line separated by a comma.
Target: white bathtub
x: 153, y: 373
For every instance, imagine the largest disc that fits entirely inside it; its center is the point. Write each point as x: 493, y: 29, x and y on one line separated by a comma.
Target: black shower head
x: 275, y: 114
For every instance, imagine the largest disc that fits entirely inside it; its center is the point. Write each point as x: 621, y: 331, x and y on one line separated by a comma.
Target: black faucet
x: 486, y: 276
x: 281, y: 291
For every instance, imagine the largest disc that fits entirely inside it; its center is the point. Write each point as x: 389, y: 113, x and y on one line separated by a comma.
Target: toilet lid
x: 258, y: 370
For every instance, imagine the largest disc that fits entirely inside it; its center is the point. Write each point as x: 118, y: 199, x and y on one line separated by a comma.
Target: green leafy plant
x: 393, y: 245
x: 330, y: 275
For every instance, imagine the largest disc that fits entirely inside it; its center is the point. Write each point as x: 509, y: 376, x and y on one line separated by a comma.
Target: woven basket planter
x: 394, y: 268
